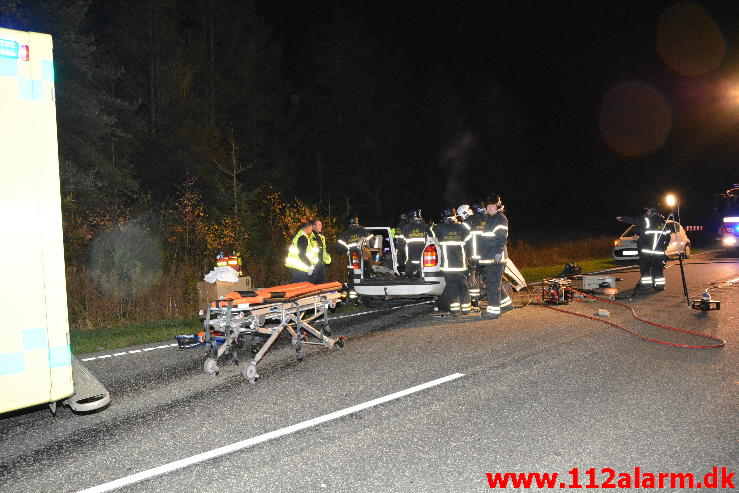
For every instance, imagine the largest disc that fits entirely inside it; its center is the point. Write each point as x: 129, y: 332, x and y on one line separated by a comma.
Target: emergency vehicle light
x: 731, y: 219
x: 8, y: 48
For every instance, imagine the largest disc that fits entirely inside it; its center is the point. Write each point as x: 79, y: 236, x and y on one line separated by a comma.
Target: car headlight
x: 617, y: 243
x: 729, y: 241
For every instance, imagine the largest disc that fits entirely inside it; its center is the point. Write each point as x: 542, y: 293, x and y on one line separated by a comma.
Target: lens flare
x: 689, y: 41
x: 635, y: 119
x: 125, y: 261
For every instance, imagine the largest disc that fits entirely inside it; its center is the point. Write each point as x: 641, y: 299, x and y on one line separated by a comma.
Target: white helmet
x: 464, y: 211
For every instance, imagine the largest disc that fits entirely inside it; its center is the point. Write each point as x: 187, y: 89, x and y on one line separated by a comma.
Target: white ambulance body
x: 36, y: 364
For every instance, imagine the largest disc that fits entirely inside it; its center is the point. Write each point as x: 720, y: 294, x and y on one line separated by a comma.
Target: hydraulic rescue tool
x: 556, y: 291
x: 262, y: 316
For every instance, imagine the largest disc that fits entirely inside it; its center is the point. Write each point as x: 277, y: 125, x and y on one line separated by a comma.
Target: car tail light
x: 430, y: 256
x: 355, y: 260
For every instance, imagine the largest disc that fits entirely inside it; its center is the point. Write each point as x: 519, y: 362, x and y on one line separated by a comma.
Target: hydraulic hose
x: 721, y: 342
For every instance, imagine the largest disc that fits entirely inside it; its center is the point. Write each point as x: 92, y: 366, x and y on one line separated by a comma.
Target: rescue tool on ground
x: 258, y: 318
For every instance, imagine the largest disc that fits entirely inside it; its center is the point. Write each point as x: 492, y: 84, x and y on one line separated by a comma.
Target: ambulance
x: 36, y: 363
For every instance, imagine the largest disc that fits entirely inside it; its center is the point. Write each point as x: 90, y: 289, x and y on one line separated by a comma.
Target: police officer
x: 454, y: 240
x: 318, y: 243
x: 301, y: 258
x: 493, y: 255
x: 653, y: 237
x: 412, y: 240
x: 351, y: 242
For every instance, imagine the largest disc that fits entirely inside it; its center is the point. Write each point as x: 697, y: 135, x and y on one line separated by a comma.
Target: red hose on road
x: 721, y: 344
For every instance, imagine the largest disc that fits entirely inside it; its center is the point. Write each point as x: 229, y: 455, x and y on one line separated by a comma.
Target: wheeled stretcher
x: 261, y: 316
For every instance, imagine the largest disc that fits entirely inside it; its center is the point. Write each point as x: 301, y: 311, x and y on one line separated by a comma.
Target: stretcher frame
x: 296, y: 315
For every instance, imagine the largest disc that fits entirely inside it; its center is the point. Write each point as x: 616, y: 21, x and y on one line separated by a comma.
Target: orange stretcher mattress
x: 284, y: 292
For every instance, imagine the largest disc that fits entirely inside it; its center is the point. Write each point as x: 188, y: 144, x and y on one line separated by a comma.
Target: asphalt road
x: 536, y: 391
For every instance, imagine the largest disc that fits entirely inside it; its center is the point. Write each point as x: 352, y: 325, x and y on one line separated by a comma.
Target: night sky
x: 672, y: 128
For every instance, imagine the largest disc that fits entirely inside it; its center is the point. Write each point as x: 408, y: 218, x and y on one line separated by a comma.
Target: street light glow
x: 670, y: 200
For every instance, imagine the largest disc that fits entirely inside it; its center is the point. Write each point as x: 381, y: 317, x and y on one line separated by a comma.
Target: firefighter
x: 351, y: 242
x: 318, y: 242
x: 412, y: 240
x: 493, y: 255
x: 394, y: 233
x: 476, y: 220
x: 454, y: 240
x: 463, y: 212
x: 301, y: 257
x: 653, y: 237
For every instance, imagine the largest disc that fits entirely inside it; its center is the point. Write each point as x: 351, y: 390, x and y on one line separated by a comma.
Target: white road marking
x: 250, y: 442
x: 167, y: 346
x: 378, y: 311
x: 132, y: 351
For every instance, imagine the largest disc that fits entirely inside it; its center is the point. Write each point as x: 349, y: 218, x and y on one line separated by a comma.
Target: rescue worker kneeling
x: 493, y: 256
x: 454, y: 239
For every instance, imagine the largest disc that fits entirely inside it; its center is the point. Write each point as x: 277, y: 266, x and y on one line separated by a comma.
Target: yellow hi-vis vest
x: 293, y: 260
x: 313, y: 245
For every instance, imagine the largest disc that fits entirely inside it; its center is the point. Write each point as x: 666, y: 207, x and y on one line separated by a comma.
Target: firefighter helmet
x: 493, y: 199
x: 464, y: 211
x: 415, y: 214
x: 447, y: 213
x: 353, y: 220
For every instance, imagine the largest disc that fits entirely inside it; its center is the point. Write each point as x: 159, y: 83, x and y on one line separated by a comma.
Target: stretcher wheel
x: 340, y: 342
x: 250, y: 373
x: 210, y: 366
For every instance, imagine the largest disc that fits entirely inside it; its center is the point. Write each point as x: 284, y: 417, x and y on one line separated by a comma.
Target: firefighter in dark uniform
x: 395, y: 232
x: 454, y: 240
x: 476, y: 222
x: 412, y: 240
x: 351, y: 242
x: 653, y: 237
x: 493, y: 255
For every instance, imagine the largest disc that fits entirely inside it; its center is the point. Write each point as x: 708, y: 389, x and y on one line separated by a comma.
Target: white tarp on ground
x: 221, y: 274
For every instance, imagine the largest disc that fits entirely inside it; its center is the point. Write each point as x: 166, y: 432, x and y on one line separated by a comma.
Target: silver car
x: 624, y: 248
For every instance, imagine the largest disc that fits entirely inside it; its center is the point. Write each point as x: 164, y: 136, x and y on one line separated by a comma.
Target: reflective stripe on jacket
x: 318, y: 242
x: 476, y: 223
x: 352, y: 239
x: 454, y: 240
x: 494, y: 238
x: 293, y: 259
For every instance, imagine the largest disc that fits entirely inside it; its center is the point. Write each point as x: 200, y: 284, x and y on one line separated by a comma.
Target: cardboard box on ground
x: 208, y: 292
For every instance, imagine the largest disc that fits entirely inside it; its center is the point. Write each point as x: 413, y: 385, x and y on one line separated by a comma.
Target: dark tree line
x: 358, y: 114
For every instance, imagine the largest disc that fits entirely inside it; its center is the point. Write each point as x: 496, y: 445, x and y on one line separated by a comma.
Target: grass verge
x: 90, y: 341
x: 534, y: 274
